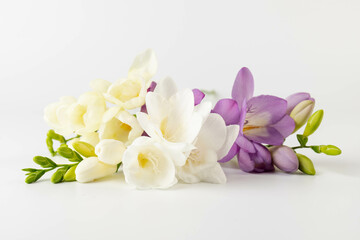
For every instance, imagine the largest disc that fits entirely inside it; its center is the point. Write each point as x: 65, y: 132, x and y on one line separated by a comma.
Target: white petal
x: 110, y: 151
x: 204, y: 109
x: 214, y: 174
x: 157, y: 106
x: 151, y: 128
x: 100, y: 85
x: 145, y: 65
x: 91, y: 168
x: 166, y: 88
x: 232, y: 132
x: 213, y: 133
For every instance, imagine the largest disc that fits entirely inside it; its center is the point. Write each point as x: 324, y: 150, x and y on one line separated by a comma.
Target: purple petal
x: 243, y: 88
x: 245, y: 163
x: 263, y: 152
x: 265, y: 110
x: 267, y: 135
x: 152, y: 87
x: 229, y: 110
x: 198, y: 96
x: 295, y: 99
x: 245, y: 144
x: 242, y: 116
x: 232, y: 153
x: 285, y: 126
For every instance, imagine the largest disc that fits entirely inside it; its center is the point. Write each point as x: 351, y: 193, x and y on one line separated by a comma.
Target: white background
x: 53, y: 48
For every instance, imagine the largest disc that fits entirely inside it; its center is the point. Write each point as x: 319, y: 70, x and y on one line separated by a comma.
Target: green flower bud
x: 305, y: 164
x: 330, y: 150
x: 53, y: 135
x: 314, y: 122
x: 44, y: 162
x: 66, y: 152
x: 84, y: 148
x: 34, y: 176
x: 302, y: 112
x: 58, y: 175
x: 70, y: 174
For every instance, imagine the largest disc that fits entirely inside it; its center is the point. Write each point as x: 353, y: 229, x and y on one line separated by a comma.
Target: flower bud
x: 313, y: 123
x: 284, y: 158
x: 330, y: 150
x: 70, y: 174
x: 91, y: 168
x: 58, y: 175
x: 110, y: 151
x: 302, y: 112
x: 305, y: 164
x: 84, y: 148
x: 44, y: 162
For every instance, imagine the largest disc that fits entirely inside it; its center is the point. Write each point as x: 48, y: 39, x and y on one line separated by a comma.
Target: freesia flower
x: 85, y: 115
x: 173, y: 119
x: 91, y: 169
x: 212, y: 144
x: 284, y: 158
x: 262, y: 119
x: 148, y: 164
x: 129, y: 93
x: 118, y: 124
x: 56, y: 115
x: 295, y: 99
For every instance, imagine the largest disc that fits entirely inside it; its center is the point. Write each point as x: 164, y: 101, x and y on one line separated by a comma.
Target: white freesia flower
x: 110, y: 151
x: 91, y: 169
x: 172, y: 118
x: 148, y: 164
x: 56, y: 115
x: 86, y: 114
x: 213, y: 143
x: 120, y: 125
x: 130, y: 92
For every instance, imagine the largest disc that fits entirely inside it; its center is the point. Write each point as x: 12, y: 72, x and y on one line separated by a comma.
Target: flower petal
x: 229, y: 110
x: 198, y: 96
x: 100, y: 85
x: 231, y: 154
x: 110, y: 151
x: 243, y: 88
x: 285, y: 126
x: 232, y: 132
x: 145, y: 65
x: 166, y: 88
x: 267, y: 135
x: 245, y: 144
x: 265, y: 110
x: 91, y: 168
x: 245, y: 163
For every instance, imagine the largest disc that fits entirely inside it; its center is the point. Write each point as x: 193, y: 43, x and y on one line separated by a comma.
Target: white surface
x: 54, y: 48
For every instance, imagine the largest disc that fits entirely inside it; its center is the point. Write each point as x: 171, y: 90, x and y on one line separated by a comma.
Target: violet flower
x: 262, y: 119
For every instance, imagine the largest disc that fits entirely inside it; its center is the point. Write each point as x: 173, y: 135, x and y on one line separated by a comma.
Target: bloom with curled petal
x: 173, y: 119
x: 262, y: 119
x: 56, y: 115
x: 118, y: 124
x: 86, y: 113
x: 212, y: 144
x: 129, y: 92
x: 148, y: 164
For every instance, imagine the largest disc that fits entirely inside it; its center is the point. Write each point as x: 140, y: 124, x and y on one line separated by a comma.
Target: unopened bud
x: 305, y: 164
x: 313, y: 123
x: 302, y: 112
x: 330, y: 150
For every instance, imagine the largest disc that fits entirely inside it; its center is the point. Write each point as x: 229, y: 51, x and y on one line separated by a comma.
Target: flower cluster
x: 158, y: 135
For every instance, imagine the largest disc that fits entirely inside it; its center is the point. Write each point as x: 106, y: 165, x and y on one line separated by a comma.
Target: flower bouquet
x: 158, y: 135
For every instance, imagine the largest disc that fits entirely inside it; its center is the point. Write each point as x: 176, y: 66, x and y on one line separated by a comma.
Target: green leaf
x: 44, y: 162
x: 302, y: 140
x: 305, y: 164
x: 29, y: 170
x: 316, y: 149
x: 314, y: 122
x: 84, y: 148
x: 34, y: 176
x: 59, y: 175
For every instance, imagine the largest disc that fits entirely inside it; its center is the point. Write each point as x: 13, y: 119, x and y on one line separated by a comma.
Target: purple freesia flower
x: 262, y: 119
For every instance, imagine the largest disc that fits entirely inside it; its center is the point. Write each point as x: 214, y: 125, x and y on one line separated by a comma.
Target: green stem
x: 66, y: 140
